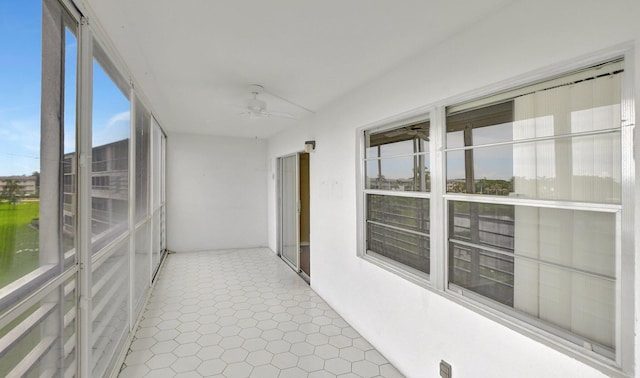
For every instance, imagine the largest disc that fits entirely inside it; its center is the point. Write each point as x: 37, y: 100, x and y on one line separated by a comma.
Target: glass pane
x: 143, y: 137
x: 155, y: 241
x: 404, y: 212
x: 400, y: 213
x: 37, y: 342
x: 290, y: 248
x: 577, y: 239
x: 157, y: 167
x: 142, y: 263
x: 156, y: 192
x: 399, y: 173
x: 399, y: 141
x: 585, y: 168
x: 110, y: 153
x: 20, y: 80
x: 163, y: 183
x: 33, y: 74
x: 589, y: 105
x: 489, y: 124
x: 406, y: 248
x: 69, y: 159
x: 486, y: 273
x: 485, y: 224
x: 110, y: 302
x: 557, y: 265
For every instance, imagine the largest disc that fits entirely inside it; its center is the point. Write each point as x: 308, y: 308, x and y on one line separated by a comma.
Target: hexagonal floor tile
x: 337, y: 366
x: 244, y: 313
x: 265, y: 371
x: 259, y: 357
x: 184, y: 364
x: 310, y: 363
x: 284, y: 360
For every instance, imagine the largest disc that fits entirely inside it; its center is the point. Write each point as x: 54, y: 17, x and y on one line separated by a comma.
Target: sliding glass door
x: 289, y: 211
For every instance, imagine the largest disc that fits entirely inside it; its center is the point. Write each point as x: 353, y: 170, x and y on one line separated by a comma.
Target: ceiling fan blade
x: 290, y: 102
x: 280, y: 115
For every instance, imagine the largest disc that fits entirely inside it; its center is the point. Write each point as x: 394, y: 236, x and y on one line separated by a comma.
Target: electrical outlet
x: 445, y: 370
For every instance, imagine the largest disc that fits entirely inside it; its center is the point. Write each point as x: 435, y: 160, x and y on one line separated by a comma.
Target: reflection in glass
x: 585, y: 168
x: 486, y: 224
x: 69, y: 140
x: 398, y: 159
x: 42, y: 333
x: 399, y: 141
x: 143, y: 137
x: 406, y: 212
x: 489, y: 124
x: 142, y: 265
x: 109, y: 305
x: 398, y: 228
x: 406, y: 248
x: 556, y: 265
x: 581, y: 169
x: 110, y: 160
x: 157, y: 165
x: 407, y: 173
x: 482, y: 135
x: 564, y: 166
x: 290, y: 248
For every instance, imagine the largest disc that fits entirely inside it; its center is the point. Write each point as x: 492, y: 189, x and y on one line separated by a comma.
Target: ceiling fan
x: 420, y: 131
x: 255, y: 107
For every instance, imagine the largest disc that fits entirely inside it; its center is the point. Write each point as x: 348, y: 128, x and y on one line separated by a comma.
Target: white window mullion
x: 438, y: 203
x: 627, y: 285
x: 132, y: 205
x: 85, y: 97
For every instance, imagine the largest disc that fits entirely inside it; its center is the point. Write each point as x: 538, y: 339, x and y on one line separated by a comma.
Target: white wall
x: 216, y: 192
x: 413, y: 327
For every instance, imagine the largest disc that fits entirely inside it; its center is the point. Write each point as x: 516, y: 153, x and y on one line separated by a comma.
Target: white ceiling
x: 195, y: 58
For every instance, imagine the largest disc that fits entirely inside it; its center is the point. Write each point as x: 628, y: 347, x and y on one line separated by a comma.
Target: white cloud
x: 115, y: 128
x: 117, y: 118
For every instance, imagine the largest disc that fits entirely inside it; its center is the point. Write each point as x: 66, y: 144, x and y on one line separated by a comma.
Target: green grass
x: 19, y: 242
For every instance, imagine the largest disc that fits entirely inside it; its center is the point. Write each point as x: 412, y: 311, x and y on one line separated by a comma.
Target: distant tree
x: 10, y: 191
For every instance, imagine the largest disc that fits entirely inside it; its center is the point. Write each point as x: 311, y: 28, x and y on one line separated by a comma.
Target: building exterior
x: 28, y: 185
x: 109, y: 186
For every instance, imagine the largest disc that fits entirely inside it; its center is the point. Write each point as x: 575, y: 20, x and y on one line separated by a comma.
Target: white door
x: 289, y: 211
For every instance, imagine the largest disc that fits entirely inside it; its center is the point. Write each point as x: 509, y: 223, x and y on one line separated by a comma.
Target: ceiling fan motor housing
x: 255, y: 105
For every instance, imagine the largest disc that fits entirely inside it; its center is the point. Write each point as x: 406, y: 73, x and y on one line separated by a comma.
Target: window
x: 527, y: 209
x: 37, y: 247
x: 64, y: 223
x: 552, y: 262
x: 143, y: 137
x: 158, y: 147
x: 110, y: 152
x: 142, y: 261
x: 397, y: 183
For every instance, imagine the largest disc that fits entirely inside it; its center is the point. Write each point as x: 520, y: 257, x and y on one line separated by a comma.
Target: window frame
x: 69, y: 279
x: 409, y: 273
x: 437, y: 282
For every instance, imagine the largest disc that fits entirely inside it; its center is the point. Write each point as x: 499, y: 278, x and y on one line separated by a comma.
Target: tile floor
x: 244, y: 313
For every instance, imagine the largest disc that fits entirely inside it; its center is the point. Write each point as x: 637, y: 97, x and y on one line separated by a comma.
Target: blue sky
x: 20, y: 84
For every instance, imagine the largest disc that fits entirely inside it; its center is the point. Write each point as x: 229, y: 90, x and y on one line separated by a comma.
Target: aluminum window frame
x: 72, y: 276
x: 557, y: 334
x: 437, y: 283
x: 416, y: 116
x: 48, y: 283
